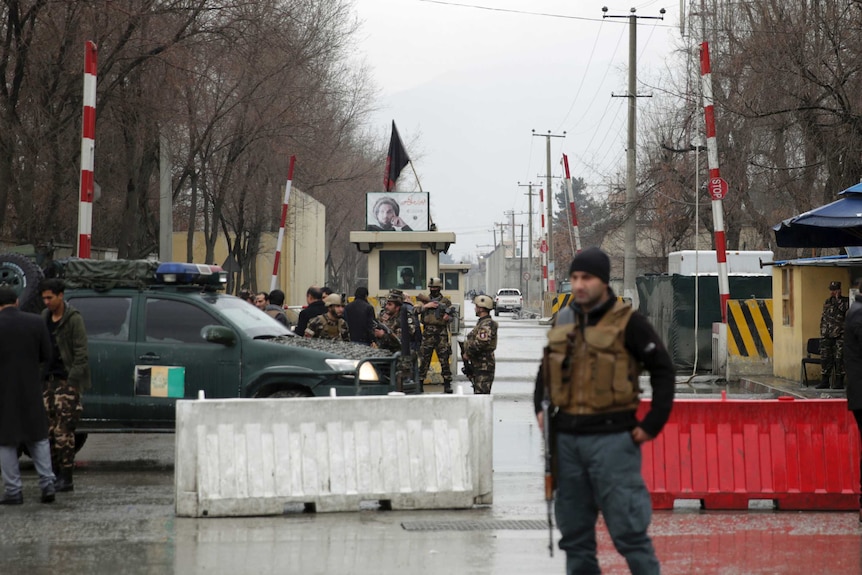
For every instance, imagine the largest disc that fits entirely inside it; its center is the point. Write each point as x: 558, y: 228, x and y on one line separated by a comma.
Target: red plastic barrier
x: 802, y: 454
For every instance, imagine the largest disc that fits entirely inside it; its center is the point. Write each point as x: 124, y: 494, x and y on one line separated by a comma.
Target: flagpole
x: 415, y: 174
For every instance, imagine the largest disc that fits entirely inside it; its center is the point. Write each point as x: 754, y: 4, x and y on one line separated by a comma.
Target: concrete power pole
x: 631, y: 248
x: 530, y: 241
x: 550, y: 216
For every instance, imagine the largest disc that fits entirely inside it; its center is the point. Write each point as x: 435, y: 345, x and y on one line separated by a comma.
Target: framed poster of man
x: 398, y: 212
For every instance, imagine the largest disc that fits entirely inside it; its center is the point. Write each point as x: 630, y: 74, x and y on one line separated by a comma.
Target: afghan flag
x: 396, y: 159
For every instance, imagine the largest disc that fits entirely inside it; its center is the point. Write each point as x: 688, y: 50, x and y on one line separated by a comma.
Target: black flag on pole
x: 396, y: 159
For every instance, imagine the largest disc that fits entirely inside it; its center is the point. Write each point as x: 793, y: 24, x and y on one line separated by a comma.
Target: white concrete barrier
x: 238, y: 457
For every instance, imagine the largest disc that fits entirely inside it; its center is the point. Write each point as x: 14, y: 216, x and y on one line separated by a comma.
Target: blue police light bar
x: 181, y: 273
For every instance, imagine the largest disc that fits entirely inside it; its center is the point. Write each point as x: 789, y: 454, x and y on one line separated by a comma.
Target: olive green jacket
x: 72, y: 341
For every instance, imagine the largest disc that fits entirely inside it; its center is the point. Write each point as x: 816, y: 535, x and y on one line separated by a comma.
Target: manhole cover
x: 482, y: 525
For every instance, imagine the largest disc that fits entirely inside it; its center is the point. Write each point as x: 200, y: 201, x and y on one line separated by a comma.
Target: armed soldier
x: 329, y: 325
x: 480, y: 346
x: 589, y: 374
x: 832, y: 338
x: 389, y: 332
x: 436, y: 311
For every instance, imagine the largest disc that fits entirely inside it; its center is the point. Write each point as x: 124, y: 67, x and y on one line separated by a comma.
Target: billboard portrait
x: 396, y: 212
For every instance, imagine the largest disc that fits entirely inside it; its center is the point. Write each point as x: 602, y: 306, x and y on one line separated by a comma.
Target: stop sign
x: 717, y: 188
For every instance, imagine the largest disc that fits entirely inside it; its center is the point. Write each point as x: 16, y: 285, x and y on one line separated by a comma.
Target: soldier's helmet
x: 483, y: 301
x: 332, y: 299
x: 834, y: 286
x: 407, y: 272
x: 435, y: 282
x: 395, y: 296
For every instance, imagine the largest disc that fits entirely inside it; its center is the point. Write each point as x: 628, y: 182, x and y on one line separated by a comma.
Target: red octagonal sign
x: 717, y: 188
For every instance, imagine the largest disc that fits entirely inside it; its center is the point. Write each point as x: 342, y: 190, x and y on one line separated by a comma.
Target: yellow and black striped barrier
x: 749, y: 328
x: 559, y: 302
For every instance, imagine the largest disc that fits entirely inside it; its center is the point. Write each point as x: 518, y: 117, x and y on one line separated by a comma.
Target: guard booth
x: 406, y: 261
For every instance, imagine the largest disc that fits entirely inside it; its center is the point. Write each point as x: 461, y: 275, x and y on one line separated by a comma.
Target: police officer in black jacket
x: 600, y: 346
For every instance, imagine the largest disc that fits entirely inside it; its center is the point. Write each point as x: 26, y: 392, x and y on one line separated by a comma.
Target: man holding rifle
x: 478, y: 351
x: 589, y: 383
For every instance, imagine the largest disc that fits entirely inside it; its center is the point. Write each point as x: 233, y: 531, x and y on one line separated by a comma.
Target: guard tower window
x: 450, y: 281
x: 403, y: 269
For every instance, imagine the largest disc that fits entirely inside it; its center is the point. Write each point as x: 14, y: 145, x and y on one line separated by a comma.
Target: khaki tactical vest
x: 589, y: 369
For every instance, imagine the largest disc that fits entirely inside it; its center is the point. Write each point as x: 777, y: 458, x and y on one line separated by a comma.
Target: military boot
x: 63, y: 483
x: 839, y: 382
x: 824, y: 383
x: 447, y: 387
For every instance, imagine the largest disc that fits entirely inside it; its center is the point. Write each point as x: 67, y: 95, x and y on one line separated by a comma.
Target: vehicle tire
x: 290, y: 392
x: 22, y: 275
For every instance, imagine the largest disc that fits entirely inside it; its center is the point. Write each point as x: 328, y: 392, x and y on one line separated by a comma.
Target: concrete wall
x: 252, y: 457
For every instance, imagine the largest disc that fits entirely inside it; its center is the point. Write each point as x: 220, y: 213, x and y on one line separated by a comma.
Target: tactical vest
x: 329, y: 329
x: 273, y: 313
x: 589, y: 369
x: 435, y: 316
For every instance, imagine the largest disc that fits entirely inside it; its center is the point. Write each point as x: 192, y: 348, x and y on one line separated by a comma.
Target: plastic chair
x: 812, y: 348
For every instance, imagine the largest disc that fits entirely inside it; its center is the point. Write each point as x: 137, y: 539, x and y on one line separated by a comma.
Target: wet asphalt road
x: 120, y: 518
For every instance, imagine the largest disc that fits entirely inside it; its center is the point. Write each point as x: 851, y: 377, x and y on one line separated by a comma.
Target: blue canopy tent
x: 834, y: 225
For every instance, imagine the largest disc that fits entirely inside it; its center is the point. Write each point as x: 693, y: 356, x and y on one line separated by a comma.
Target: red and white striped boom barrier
x: 717, y: 185
x: 88, y: 150
x: 274, y: 283
x: 571, y: 193
x: 544, y: 246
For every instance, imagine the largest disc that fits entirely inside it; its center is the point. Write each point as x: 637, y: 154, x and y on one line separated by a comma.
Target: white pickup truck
x: 508, y: 299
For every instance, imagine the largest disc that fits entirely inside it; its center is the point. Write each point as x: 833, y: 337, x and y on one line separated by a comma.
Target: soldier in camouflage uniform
x: 480, y: 346
x: 436, y: 312
x: 832, y: 338
x: 66, y: 378
x: 329, y: 325
x: 391, y: 337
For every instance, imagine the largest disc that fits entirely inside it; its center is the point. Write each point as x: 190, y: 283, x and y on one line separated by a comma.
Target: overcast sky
x: 466, y: 87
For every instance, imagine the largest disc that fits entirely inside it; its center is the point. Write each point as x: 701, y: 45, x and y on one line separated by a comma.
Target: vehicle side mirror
x: 219, y: 334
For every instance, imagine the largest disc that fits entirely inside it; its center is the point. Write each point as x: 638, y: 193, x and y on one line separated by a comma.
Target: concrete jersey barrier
x: 242, y: 457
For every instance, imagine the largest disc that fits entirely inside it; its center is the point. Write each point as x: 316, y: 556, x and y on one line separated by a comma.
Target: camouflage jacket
x: 481, y: 343
x: 832, y: 320
x: 392, y: 340
x: 324, y: 327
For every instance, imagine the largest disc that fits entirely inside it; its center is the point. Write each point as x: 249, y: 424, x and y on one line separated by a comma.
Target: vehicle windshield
x: 248, y: 318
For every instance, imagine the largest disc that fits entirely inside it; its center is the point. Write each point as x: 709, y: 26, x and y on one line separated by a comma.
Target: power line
x: 524, y: 12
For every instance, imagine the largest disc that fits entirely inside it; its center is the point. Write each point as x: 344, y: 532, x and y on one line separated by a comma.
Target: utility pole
x: 631, y: 251
x: 548, y: 136
x: 512, y: 213
x: 521, y: 260
x: 530, y: 241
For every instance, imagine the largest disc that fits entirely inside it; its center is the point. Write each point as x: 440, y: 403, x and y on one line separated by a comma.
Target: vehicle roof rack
x: 138, y: 274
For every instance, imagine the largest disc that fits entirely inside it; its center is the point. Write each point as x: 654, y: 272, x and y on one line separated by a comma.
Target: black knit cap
x: 594, y: 262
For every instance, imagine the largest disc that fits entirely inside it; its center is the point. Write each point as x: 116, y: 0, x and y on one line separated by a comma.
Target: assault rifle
x: 549, y: 450
x: 467, y: 368
x: 375, y: 324
x: 439, y: 311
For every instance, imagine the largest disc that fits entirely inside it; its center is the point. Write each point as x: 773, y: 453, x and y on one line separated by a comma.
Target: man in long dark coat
x: 24, y: 345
